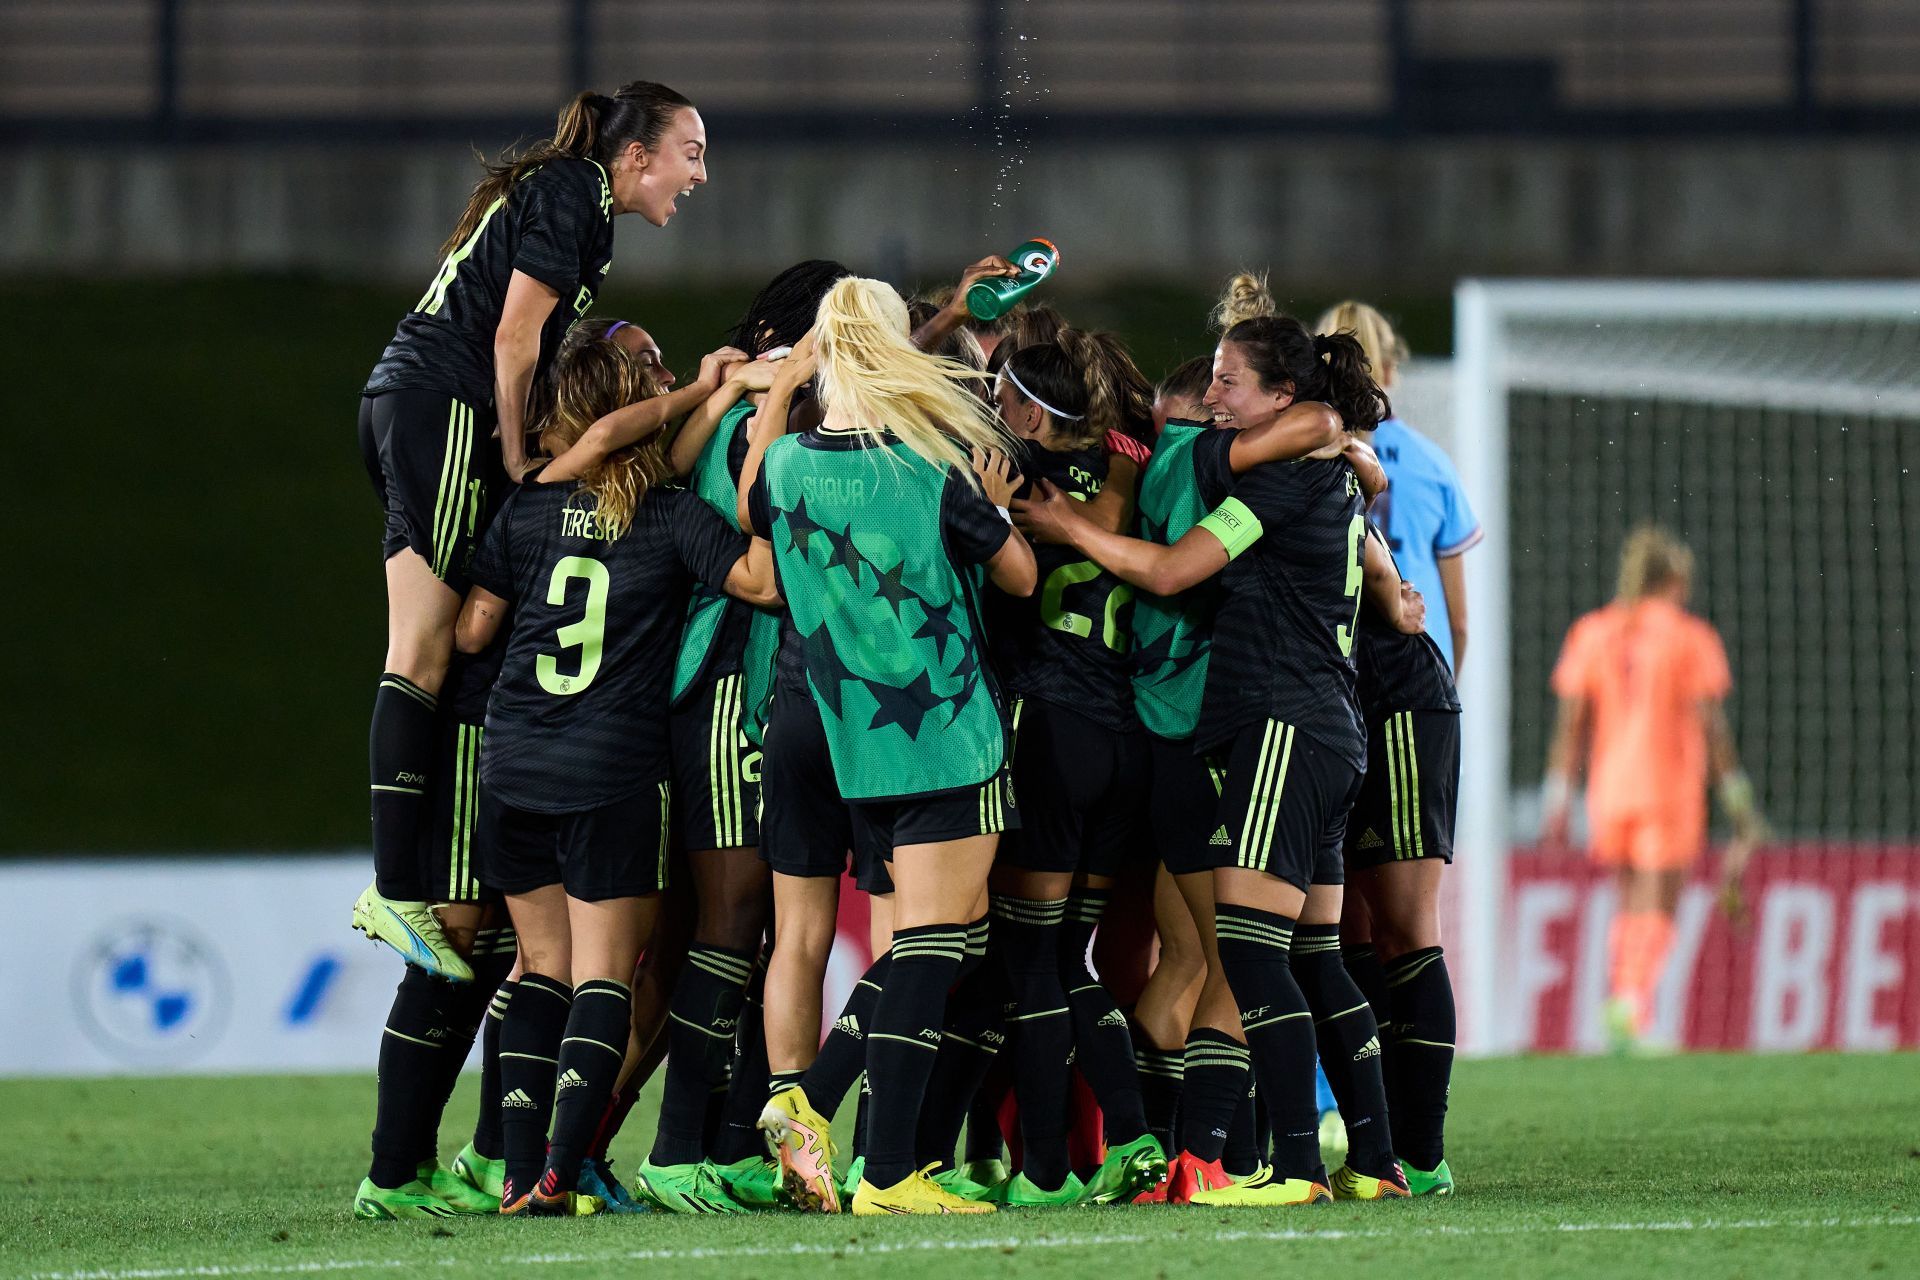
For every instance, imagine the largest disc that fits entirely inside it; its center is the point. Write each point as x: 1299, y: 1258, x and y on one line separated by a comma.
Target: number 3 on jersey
x: 587, y: 635
x: 1356, y: 578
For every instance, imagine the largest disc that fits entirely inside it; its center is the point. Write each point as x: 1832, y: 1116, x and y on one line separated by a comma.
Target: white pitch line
x: 879, y: 1248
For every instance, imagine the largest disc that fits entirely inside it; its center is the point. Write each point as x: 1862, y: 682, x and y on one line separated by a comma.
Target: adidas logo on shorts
x: 1370, y: 839
x: 518, y: 1098
x: 570, y: 1079
x: 1220, y: 837
x: 1112, y: 1018
x: 1371, y: 1049
x: 850, y: 1024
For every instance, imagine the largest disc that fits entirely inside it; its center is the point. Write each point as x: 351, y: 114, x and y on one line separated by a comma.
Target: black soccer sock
x: 1214, y: 1076
x: 590, y: 1056
x: 487, y: 1141
x: 701, y: 1023
x: 747, y: 1090
x: 536, y: 1020
x: 467, y: 1006
x: 863, y: 1116
x: 1419, y: 1049
x: 1279, y: 1029
x: 1241, y: 1155
x: 612, y: 1117
x: 1161, y: 1074
x: 400, y: 754
x: 778, y: 1082
x: 843, y: 1055
x: 1363, y: 966
x: 984, y: 1139
x: 975, y: 1031
x: 905, y: 1042
x: 413, y: 1052
x: 1103, y: 1047
x: 1040, y: 1033
x: 1349, y: 1044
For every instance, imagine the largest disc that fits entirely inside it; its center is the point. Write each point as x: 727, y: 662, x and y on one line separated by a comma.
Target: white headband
x: 1014, y: 378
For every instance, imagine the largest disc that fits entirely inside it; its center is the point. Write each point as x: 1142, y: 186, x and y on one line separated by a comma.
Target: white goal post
x: 1564, y: 355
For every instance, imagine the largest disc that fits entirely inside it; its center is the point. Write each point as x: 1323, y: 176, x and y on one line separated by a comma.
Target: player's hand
x: 799, y: 365
x: 998, y: 478
x: 1366, y: 465
x: 1046, y: 514
x: 1413, y: 610
x: 753, y: 375
x: 713, y: 366
x: 988, y: 267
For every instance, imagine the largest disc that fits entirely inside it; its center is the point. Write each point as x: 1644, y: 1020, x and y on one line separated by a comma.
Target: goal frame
x: 1483, y: 379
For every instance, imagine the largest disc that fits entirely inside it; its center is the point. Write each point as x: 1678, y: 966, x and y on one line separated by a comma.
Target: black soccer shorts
x: 805, y: 828
x: 1411, y: 791
x: 436, y: 467
x: 1085, y: 789
x: 1284, y: 806
x: 1183, y: 804
x: 987, y: 809
x: 619, y: 850
x: 716, y: 771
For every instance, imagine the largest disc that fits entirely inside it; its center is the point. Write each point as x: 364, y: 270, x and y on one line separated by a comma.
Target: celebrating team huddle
x: 1100, y: 692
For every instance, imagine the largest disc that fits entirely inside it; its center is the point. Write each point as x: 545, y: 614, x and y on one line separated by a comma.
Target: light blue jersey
x: 1425, y: 515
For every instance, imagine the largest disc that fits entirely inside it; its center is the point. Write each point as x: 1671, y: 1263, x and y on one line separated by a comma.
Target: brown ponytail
x: 592, y: 379
x: 1119, y: 397
x: 591, y: 127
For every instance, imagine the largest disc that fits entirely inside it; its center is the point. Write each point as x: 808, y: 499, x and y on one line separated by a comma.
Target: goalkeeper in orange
x: 1641, y: 684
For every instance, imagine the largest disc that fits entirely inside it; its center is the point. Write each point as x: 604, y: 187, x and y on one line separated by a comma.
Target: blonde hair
x: 1246, y: 297
x: 873, y: 379
x: 591, y: 380
x: 1385, y: 349
x: 1651, y: 559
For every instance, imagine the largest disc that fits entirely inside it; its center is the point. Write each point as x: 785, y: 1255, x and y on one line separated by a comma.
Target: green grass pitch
x: 1696, y: 1166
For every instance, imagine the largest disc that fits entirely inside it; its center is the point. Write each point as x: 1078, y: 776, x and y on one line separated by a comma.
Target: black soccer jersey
x: 1284, y: 637
x: 1067, y: 643
x: 1399, y: 672
x: 578, y: 717
x: 556, y: 225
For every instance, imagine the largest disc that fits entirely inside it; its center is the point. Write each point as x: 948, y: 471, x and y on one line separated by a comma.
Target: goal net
x: 1776, y: 429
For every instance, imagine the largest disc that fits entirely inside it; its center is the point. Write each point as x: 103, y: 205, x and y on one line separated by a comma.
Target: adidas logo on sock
x: 1220, y: 837
x: 1370, y: 839
x: 518, y: 1098
x: 1112, y: 1018
x: 1371, y: 1049
x: 570, y: 1079
x: 850, y: 1024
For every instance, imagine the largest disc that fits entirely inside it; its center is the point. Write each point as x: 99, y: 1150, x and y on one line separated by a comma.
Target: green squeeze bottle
x: 993, y: 297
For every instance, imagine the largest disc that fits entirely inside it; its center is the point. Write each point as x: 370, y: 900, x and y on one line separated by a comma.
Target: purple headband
x: 614, y: 328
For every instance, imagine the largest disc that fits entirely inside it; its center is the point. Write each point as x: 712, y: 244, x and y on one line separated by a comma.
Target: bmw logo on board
x: 152, y: 992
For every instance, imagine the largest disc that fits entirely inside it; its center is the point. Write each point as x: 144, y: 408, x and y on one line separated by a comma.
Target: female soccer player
x: 529, y: 251
x: 722, y: 681
x: 1279, y: 712
x: 1399, y: 837
x: 595, y: 558
x: 1080, y: 763
x: 1642, y: 685
x: 880, y: 529
x: 1424, y: 513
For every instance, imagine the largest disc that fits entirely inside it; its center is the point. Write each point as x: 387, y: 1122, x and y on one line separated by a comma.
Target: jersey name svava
x: 556, y: 226
x: 1173, y: 634
x: 873, y: 544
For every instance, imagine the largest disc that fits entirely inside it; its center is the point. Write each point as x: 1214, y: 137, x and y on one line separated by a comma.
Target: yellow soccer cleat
x: 1264, y: 1190
x: 801, y: 1139
x: 1348, y: 1185
x: 413, y: 930
x: 916, y: 1193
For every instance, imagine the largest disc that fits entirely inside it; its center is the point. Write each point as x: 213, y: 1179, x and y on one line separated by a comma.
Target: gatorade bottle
x: 992, y: 298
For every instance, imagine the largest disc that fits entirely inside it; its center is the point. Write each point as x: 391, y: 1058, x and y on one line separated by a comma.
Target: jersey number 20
x: 587, y: 635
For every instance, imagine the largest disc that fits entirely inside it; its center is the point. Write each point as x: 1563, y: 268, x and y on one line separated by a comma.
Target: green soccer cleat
x: 1333, y: 1136
x: 686, y: 1188
x: 753, y: 1182
x: 988, y: 1173
x: 856, y: 1171
x: 483, y: 1175
x: 956, y: 1182
x: 597, y: 1180
x: 413, y: 930
x: 459, y: 1196
x: 413, y: 1200
x: 1422, y: 1183
x: 1129, y: 1169
x: 1623, y: 1025
x: 1018, y: 1192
